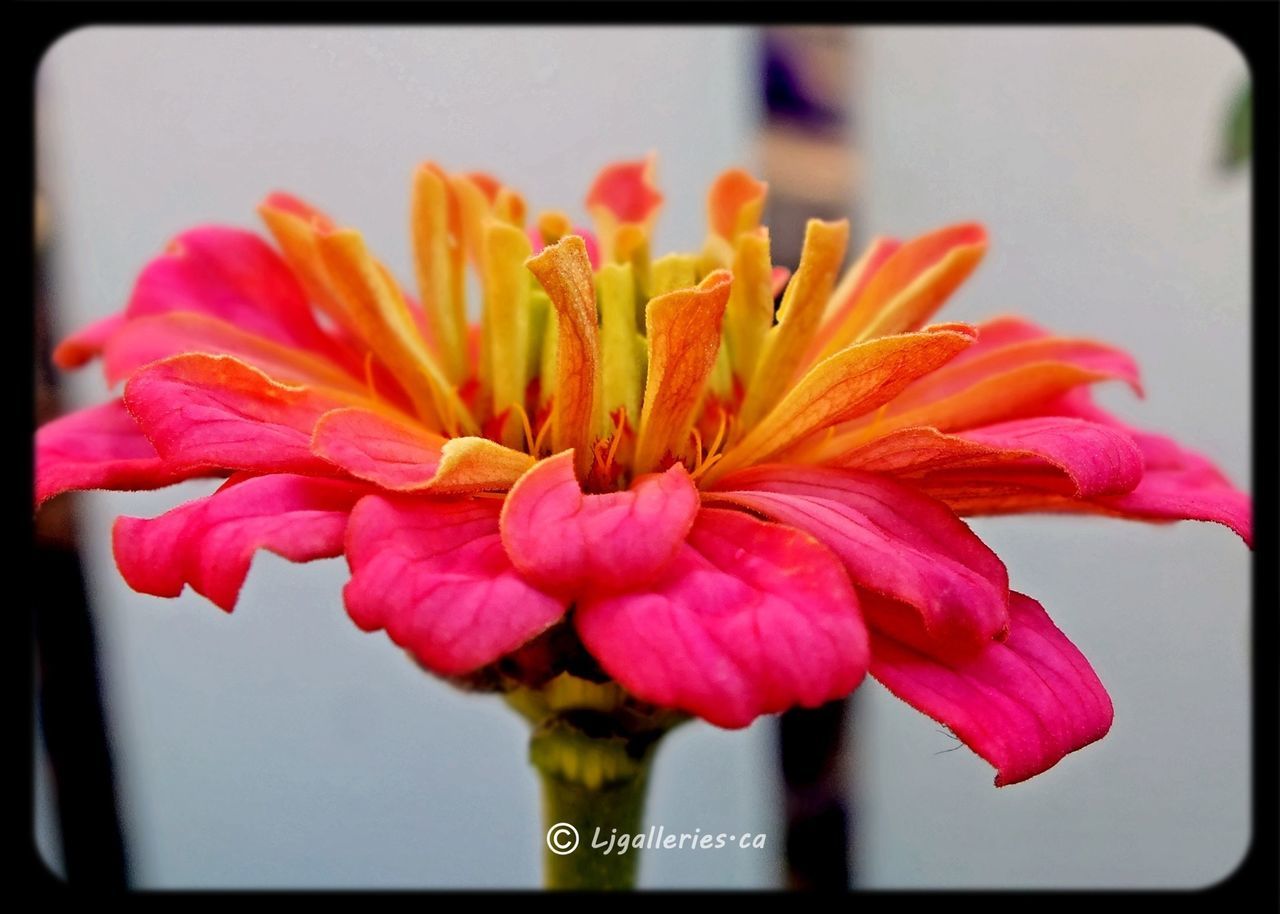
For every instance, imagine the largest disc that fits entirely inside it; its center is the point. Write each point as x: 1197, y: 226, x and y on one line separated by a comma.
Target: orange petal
x: 553, y: 225
x: 143, y: 340
x: 850, y: 383
x: 295, y: 224
x: 437, y: 226
x: 849, y: 290
x: 911, y: 285
x: 684, y: 335
x: 798, y: 316
x: 1003, y: 383
x: 564, y: 270
x: 375, y: 306
x: 735, y: 203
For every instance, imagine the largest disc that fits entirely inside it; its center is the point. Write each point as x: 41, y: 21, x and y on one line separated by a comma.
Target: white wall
x: 280, y: 746
x: 1090, y: 154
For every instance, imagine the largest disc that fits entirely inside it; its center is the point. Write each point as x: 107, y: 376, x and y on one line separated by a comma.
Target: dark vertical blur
x: 809, y: 159
x: 69, y: 701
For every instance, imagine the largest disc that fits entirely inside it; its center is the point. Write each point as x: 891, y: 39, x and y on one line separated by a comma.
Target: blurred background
x: 282, y: 747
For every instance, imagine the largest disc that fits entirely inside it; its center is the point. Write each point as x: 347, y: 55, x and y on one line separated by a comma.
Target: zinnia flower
x: 629, y: 466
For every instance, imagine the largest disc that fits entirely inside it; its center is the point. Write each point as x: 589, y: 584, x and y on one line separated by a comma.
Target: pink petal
x: 216, y: 411
x: 626, y: 190
x: 99, y: 448
x: 377, y: 448
x: 891, y: 538
x: 236, y: 276
x: 568, y: 542
x: 209, y: 543
x: 1021, y: 704
x: 1180, y: 484
x: 751, y: 618
x: 1065, y: 455
x: 144, y: 340
x: 1177, y: 484
x: 84, y: 345
x: 433, y: 573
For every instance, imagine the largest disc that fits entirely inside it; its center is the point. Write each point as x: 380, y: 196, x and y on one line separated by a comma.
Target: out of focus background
x: 282, y: 747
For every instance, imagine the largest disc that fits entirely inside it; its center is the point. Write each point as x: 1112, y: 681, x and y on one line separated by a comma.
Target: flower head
x: 723, y: 508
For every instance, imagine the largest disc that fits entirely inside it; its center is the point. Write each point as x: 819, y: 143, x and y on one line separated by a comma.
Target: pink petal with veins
x: 209, y: 543
x: 434, y: 574
x: 566, y: 541
x: 1021, y: 704
x: 99, y: 448
x: 892, y: 539
x: 751, y: 618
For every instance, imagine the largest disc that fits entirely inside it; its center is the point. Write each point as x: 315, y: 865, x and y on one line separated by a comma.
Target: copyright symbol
x: 562, y: 838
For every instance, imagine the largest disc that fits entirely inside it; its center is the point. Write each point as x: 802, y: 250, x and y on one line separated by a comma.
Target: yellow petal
x: 801, y: 310
x: 547, y: 354
x: 438, y: 260
x: 683, y: 328
x: 506, y: 310
x: 749, y: 314
x: 615, y: 290
x: 632, y: 247
x: 373, y: 302
x: 477, y: 464
x: 672, y: 272
x: 540, y: 316
x: 850, y: 383
x: 565, y: 272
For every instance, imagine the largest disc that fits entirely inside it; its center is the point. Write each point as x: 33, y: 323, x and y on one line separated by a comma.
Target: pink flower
x: 732, y: 513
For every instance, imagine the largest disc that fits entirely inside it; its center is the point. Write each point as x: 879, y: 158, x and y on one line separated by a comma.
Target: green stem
x: 593, y: 790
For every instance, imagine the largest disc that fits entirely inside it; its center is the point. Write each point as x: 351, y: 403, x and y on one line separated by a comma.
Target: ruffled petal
x: 216, y: 411
x: 1021, y: 704
x: 101, y: 447
x: 402, y: 457
x: 750, y: 618
x: 1177, y: 484
x: 892, y: 540
x: 434, y: 574
x: 209, y: 543
x: 1046, y: 454
x: 569, y: 543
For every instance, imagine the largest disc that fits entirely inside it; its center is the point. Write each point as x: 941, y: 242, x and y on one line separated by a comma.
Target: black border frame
x: 1253, y: 26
